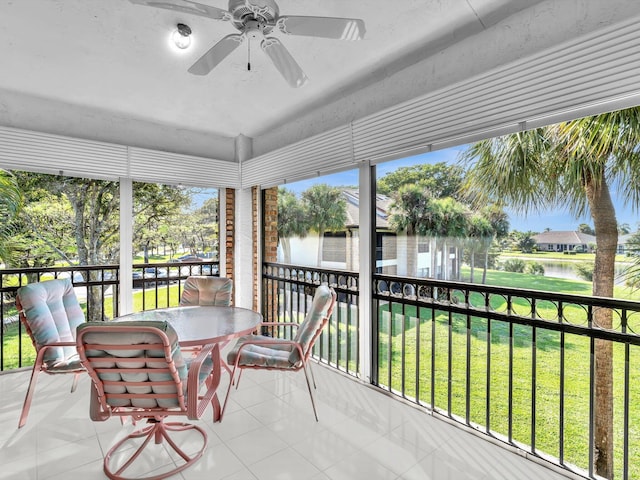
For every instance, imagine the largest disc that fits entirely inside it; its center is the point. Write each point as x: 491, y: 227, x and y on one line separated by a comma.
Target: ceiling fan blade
x: 284, y: 62
x: 216, y: 54
x: 325, y: 27
x: 187, y: 6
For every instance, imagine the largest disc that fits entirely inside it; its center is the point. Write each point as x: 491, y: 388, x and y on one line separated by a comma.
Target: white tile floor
x: 268, y: 433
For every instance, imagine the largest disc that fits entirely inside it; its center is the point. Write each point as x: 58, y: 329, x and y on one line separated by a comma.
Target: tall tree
x: 205, y: 226
x: 326, y: 211
x: 292, y: 221
x: 11, y: 201
x: 91, y: 207
x: 585, y: 228
x: 44, y: 234
x: 440, y: 179
x: 572, y: 165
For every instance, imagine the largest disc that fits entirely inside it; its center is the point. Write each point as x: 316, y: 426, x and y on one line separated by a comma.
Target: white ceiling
x: 104, y: 69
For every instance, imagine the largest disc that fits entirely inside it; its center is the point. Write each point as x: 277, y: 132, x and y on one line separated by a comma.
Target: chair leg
x: 74, y: 385
x: 226, y: 398
x: 37, y: 367
x: 313, y: 377
x: 313, y: 402
x: 27, y: 399
x: 238, y: 380
x: 157, y: 430
x: 226, y: 366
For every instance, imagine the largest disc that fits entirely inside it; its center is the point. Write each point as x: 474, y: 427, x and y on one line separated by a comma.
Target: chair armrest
x: 60, y: 344
x: 193, y: 376
x: 280, y: 324
x: 195, y: 403
x: 43, y: 349
x: 247, y: 343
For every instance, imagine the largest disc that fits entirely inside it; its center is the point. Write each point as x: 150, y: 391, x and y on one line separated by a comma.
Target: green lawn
x: 546, y: 284
x: 442, y: 348
x: 541, y: 256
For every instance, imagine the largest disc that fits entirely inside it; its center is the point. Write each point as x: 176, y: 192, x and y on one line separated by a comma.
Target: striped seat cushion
x: 280, y: 353
x: 145, y: 360
x: 52, y: 313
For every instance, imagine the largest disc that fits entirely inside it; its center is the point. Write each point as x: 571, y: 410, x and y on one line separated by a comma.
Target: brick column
x: 271, y: 225
x: 270, y: 245
x: 255, y: 231
x: 229, y: 231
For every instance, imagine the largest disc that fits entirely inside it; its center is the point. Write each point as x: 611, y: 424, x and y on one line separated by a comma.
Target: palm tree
x: 478, y: 233
x: 10, y: 204
x: 326, y: 210
x: 571, y: 165
x: 525, y: 241
x: 499, y: 221
x: 291, y: 221
x: 414, y: 212
x: 451, y: 227
x: 624, y: 228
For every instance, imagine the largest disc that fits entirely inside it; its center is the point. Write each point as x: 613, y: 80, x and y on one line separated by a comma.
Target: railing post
x: 368, y: 319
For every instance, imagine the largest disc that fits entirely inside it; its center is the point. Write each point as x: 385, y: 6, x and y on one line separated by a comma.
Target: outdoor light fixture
x: 182, y: 36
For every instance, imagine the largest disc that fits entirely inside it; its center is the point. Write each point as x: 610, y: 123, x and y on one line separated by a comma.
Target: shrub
x: 534, y: 268
x: 514, y: 265
x: 584, y: 270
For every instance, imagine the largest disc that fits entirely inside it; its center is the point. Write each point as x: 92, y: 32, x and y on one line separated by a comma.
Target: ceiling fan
x: 257, y: 19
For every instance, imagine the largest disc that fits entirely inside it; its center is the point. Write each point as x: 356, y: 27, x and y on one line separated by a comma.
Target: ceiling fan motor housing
x: 263, y: 12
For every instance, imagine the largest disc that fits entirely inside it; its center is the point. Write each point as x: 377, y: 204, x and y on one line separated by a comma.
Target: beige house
x: 564, y: 241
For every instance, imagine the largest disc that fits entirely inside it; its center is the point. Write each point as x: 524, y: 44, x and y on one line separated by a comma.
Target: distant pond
x: 562, y: 269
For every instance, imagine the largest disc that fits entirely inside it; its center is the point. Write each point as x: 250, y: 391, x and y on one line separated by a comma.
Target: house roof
x: 564, y: 237
x: 623, y: 239
x: 352, y: 196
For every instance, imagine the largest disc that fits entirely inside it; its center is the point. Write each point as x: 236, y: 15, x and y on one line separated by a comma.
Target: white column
x: 367, y: 258
x: 126, y: 246
x: 243, y: 246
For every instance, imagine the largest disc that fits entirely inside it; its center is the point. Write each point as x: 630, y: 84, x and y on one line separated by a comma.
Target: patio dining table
x: 202, y: 325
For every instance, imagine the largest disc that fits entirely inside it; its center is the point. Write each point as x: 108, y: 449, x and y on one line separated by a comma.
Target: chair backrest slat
x: 134, y: 364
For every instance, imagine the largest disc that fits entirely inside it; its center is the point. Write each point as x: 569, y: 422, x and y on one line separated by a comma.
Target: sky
x: 554, y: 220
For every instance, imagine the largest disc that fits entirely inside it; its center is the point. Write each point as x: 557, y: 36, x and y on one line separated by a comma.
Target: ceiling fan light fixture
x: 256, y: 19
x: 182, y: 36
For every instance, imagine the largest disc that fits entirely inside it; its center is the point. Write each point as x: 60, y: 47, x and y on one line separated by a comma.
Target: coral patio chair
x: 268, y: 353
x: 206, y: 290
x: 138, y: 371
x: 50, y: 313
x: 202, y: 290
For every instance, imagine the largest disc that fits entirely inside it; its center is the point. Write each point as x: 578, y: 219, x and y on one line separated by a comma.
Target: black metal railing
x: 156, y: 285
x: 287, y: 293
x: 518, y: 365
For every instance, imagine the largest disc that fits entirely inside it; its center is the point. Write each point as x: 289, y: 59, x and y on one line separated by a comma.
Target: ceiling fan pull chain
x: 249, y: 54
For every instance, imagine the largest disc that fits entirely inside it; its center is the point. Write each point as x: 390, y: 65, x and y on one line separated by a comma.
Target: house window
x: 423, y: 246
x: 334, y: 247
